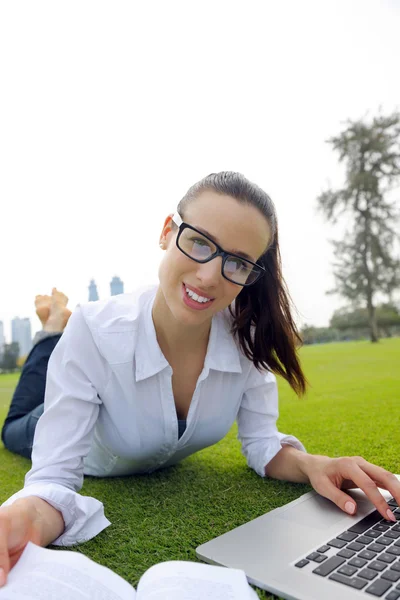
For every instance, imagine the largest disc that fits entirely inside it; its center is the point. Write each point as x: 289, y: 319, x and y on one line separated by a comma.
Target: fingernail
x: 2, y: 577
x: 390, y: 515
x: 350, y: 508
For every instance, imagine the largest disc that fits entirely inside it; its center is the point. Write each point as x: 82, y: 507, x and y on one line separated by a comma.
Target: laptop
x: 311, y: 550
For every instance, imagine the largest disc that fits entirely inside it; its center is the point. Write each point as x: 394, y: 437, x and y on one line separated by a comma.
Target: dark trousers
x: 27, y: 402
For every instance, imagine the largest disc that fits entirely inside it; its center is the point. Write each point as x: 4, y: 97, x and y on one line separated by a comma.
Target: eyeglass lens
x: 202, y: 249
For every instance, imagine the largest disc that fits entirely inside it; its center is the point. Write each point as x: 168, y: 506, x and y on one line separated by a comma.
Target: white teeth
x: 196, y: 297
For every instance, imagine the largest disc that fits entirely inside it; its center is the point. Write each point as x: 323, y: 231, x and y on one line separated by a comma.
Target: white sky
x: 109, y: 111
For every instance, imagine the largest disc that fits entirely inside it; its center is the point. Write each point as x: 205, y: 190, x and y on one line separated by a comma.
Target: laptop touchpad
x: 314, y: 512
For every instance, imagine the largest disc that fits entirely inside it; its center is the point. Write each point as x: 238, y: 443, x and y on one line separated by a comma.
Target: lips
x: 198, y: 292
x: 192, y: 301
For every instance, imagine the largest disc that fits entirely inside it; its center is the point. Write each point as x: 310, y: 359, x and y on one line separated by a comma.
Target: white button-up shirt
x: 110, y: 410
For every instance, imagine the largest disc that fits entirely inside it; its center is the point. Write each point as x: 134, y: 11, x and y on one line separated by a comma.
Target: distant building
x: 116, y: 286
x: 21, y: 332
x: 93, y: 295
x: 2, y: 338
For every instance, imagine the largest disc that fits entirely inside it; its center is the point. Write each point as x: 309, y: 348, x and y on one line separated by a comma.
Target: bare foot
x: 59, y: 313
x: 42, y: 304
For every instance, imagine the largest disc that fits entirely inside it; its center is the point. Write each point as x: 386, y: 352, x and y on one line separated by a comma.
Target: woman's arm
x: 289, y: 464
x: 271, y: 453
x: 76, y: 378
x: 329, y: 476
x: 257, y: 416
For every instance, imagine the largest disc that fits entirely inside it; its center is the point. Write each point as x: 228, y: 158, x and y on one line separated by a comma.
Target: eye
x: 199, y: 241
x: 235, y: 264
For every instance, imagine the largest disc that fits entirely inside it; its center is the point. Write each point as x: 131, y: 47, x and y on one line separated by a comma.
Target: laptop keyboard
x: 365, y: 557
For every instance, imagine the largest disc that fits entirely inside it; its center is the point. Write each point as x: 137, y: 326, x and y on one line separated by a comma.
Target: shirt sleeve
x: 257, y: 417
x: 76, y: 377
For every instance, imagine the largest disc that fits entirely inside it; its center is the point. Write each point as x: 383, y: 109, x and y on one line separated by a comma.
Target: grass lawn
x: 353, y: 407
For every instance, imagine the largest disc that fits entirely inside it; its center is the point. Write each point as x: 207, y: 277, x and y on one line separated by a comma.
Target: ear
x: 166, y: 230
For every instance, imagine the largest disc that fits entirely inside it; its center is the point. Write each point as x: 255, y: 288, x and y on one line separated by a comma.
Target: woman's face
x: 237, y: 228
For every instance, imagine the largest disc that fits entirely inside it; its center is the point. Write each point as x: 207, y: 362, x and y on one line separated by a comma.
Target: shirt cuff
x: 83, y: 516
x: 275, y: 446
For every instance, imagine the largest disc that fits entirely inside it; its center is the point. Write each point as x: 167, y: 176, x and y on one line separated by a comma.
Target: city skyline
x: 21, y: 333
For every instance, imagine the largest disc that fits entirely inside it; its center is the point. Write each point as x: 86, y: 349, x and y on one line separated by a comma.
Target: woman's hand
x: 330, y: 476
x: 29, y: 519
x: 19, y: 524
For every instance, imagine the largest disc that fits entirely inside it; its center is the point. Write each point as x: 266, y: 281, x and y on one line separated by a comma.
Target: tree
x: 10, y: 356
x: 387, y: 318
x: 366, y: 262
x: 21, y: 361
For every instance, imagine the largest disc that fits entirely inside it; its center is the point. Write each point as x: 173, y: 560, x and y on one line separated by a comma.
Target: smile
x: 196, y: 297
x: 195, y: 300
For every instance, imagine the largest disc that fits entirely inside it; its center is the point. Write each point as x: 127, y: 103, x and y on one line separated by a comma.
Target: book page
x: 42, y: 574
x: 178, y: 580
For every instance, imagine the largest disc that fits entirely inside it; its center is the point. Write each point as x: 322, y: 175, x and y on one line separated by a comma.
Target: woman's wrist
x: 48, y: 520
x: 290, y: 464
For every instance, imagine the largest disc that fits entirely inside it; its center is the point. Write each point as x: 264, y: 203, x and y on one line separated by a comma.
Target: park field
x: 352, y: 407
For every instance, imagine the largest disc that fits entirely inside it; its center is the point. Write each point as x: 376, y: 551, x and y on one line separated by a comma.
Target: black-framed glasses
x: 200, y: 248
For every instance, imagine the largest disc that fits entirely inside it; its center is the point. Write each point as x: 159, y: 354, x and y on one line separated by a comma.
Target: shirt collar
x: 222, y: 352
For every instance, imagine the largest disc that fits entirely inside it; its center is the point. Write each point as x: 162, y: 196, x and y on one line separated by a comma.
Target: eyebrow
x: 214, y: 239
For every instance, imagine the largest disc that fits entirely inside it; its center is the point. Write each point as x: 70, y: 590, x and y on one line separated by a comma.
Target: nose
x: 209, y: 273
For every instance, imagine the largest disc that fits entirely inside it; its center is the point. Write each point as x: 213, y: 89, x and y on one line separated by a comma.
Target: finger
x: 340, y: 498
x: 351, y: 470
x: 384, y: 479
x: 4, y: 557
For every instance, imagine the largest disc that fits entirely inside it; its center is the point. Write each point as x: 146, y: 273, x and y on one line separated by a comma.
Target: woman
x: 140, y: 382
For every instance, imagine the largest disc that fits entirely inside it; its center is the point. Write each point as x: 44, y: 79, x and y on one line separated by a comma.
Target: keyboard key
x: 388, y: 523
x: 329, y: 565
x: 302, y: 563
x: 368, y: 574
x: 312, y: 556
x: 396, y: 567
x: 378, y: 588
x: 335, y: 543
x: 373, y: 534
x: 347, y: 536
x: 355, y: 546
x: 393, y: 595
x: 381, y: 527
x: 320, y: 558
x: 363, y: 539
x: 386, y: 541
x: 387, y: 558
x: 396, y: 528
x: 323, y: 549
x: 392, y: 502
x: 366, y: 522
x: 393, y: 550
x: 377, y: 566
x: 392, y: 576
x: 354, y: 582
x: 367, y: 554
x: 397, y: 543
x: 346, y: 553
x: 349, y: 571
x: 376, y: 547
x: 394, y: 535
x: 357, y: 562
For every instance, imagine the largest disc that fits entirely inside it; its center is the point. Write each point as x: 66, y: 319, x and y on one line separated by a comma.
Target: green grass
x: 352, y: 408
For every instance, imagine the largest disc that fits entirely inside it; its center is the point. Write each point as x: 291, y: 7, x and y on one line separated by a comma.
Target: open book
x: 42, y: 574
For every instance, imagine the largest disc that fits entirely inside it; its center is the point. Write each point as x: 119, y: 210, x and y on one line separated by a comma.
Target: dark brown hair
x: 262, y: 318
